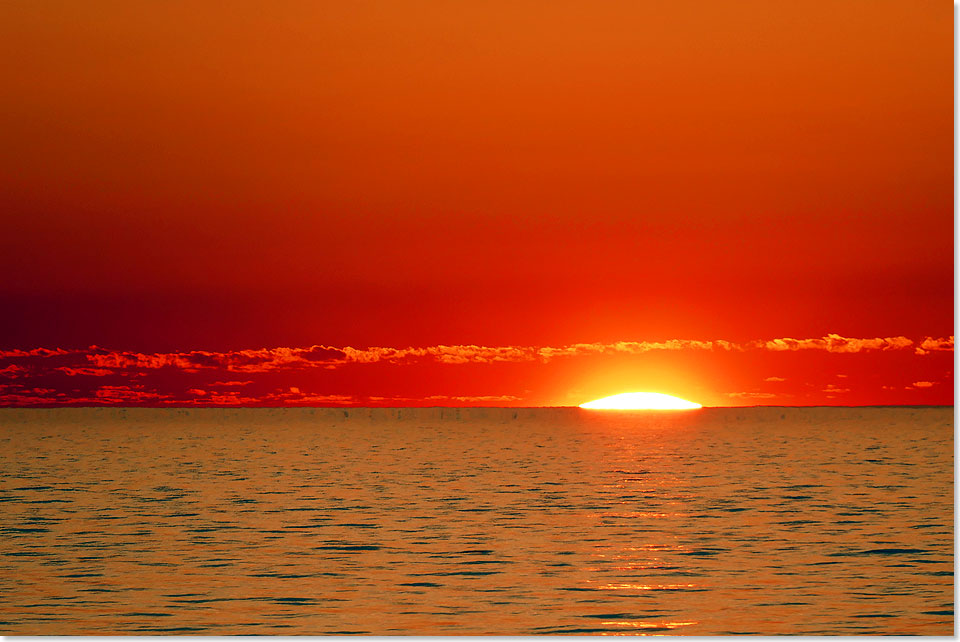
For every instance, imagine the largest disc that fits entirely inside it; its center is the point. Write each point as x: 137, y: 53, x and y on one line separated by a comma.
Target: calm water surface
x: 478, y: 521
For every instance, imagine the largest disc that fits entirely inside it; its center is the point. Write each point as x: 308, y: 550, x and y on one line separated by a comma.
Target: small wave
x: 879, y: 551
x: 347, y: 548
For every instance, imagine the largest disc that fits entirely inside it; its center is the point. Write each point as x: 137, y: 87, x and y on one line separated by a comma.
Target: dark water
x: 479, y: 521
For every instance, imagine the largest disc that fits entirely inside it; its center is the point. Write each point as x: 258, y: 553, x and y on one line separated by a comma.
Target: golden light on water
x: 641, y: 401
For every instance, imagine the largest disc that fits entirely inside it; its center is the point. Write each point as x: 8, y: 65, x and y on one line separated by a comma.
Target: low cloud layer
x: 96, y: 361
x: 97, y: 375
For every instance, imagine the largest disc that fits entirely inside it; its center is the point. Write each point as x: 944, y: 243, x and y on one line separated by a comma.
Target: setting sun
x: 641, y: 401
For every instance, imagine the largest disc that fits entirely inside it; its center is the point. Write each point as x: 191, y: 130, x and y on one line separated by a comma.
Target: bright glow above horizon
x: 641, y: 401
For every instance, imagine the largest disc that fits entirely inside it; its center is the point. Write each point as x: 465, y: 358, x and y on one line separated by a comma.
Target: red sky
x: 507, y: 179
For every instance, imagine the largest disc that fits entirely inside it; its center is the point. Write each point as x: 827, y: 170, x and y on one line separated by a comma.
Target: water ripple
x: 524, y: 521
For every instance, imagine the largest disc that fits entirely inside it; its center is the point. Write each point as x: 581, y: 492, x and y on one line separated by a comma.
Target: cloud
x: 835, y: 389
x: 36, y: 352
x: 922, y: 384
x: 632, y: 347
x: 474, y: 399
x: 774, y: 379
x: 835, y: 343
x: 128, y: 394
x: 309, y: 399
x: 85, y: 372
x: 138, y: 395
x: 255, y: 360
x: 12, y: 371
x: 751, y: 395
x: 24, y: 396
x: 930, y: 344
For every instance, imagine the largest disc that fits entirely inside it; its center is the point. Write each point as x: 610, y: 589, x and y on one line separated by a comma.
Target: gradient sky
x: 491, y: 203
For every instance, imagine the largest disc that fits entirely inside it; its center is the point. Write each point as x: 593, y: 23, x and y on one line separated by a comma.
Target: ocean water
x: 476, y: 521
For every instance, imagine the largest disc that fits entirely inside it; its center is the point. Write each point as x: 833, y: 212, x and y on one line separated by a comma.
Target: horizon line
x: 303, y: 407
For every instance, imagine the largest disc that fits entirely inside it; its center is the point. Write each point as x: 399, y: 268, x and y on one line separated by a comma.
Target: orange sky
x: 235, y: 176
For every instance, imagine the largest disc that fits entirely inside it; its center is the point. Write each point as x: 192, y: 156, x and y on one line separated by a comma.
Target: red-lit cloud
x: 751, y: 395
x: 12, y: 371
x: 85, y: 372
x: 476, y: 399
x: 832, y: 389
x: 837, y: 343
x: 935, y: 345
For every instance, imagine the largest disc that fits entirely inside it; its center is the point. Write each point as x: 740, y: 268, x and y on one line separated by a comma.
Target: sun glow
x: 641, y: 401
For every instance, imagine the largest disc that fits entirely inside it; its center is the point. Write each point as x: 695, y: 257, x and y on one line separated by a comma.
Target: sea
x: 477, y: 521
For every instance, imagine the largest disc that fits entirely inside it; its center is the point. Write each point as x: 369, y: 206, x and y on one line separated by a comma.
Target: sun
x: 641, y: 401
